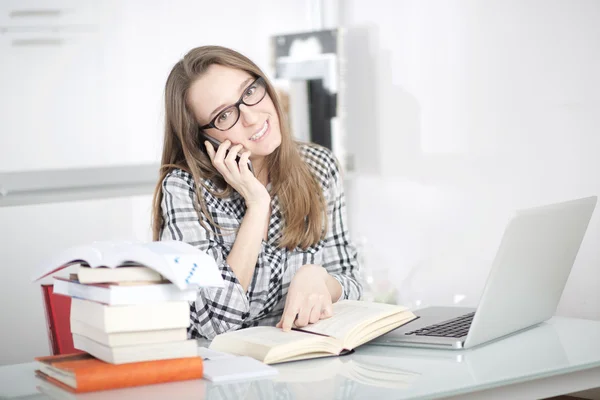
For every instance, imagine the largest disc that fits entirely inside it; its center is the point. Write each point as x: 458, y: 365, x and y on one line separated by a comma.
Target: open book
x: 181, y: 263
x: 353, y: 323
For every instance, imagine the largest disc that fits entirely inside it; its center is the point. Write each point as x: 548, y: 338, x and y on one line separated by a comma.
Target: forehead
x: 218, y: 86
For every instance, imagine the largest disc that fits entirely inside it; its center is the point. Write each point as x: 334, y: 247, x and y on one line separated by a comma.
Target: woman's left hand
x: 308, y: 299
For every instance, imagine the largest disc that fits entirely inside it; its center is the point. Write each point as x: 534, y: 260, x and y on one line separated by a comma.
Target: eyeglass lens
x: 252, y: 96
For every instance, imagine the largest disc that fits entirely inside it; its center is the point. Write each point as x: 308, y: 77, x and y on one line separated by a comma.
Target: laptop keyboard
x: 455, y: 328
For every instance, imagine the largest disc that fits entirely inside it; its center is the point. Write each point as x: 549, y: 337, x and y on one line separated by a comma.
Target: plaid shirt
x: 219, y: 310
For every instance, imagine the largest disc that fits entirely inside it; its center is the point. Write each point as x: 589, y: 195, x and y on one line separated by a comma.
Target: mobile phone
x: 216, y: 145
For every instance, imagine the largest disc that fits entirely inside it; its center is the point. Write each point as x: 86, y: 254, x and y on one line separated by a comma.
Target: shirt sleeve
x: 340, y: 255
x: 216, y: 310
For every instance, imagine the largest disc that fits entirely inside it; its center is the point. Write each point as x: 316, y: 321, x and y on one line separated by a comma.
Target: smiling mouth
x: 262, y: 132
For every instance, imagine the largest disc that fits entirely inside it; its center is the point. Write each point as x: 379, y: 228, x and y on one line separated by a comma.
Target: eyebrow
x: 222, y: 106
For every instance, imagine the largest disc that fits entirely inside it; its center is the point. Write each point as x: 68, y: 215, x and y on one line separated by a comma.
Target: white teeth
x: 258, y: 135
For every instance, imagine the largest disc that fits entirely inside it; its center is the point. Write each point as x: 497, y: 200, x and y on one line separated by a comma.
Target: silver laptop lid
x: 531, y: 268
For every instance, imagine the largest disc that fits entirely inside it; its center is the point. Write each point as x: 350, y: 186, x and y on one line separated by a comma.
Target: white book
x: 131, y: 318
x: 125, y: 273
x: 138, y: 353
x: 181, y: 263
x: 236, y: 369
x: 123, y: 294
x: 119, y: 339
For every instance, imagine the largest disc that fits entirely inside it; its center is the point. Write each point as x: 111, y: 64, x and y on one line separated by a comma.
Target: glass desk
x: 556, y: 357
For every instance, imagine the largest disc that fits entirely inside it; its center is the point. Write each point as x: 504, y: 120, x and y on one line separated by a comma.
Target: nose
x: 248, y: 115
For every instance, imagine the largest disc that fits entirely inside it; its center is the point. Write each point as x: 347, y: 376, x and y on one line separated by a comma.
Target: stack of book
x: 128, y: 314
x: 130, y: 309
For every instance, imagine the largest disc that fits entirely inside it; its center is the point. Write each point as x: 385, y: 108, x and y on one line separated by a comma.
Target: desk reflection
x: 330, y: 378
x: 393, y: 372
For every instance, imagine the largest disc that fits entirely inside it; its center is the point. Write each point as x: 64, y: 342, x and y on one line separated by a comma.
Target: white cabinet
x: 52, y: 102
x: 27, y: 14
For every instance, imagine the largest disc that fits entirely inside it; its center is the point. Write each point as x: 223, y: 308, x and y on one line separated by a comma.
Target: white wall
x: 462, y: 112
x: 97, y: 101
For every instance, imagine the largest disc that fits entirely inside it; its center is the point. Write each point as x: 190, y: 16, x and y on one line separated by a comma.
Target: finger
x: 315, y: 314
x: 327, y: 310
x: 222, y: 150
x: 289, y: 316
x: 303, y: 316
x: 244, y: 160
x: 230, y: 159
x: 209, y: 149
x: 218, y: 159
x: 278, y: 324
x: 233, y: 152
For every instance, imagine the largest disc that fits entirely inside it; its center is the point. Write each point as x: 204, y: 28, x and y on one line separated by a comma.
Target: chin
x: 275, y: 144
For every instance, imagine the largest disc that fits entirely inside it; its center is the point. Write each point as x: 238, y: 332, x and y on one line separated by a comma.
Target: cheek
x: 269, y: 107
x: 220, y: 136
x: 235, y: 135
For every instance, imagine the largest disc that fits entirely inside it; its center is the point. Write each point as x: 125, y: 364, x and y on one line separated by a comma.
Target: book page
x: 258, y: 342
x: 348, y: 314
x: 86, y: 254
x: 270, y: 344
x: 266, y: 336
x: 181, y: 263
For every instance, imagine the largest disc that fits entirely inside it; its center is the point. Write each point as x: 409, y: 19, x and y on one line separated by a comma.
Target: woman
x: 277, y: 231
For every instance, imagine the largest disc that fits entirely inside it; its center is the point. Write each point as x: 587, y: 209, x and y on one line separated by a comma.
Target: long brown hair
x: 301, y: 198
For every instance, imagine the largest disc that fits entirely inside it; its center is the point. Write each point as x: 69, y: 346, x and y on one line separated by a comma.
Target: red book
x: 58, y: 312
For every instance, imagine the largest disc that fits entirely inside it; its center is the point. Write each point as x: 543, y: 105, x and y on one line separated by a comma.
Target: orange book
x: 82, y: 372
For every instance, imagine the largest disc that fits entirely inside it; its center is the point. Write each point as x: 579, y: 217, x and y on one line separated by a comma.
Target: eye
x: 250, y: 91
x: 224, y: 115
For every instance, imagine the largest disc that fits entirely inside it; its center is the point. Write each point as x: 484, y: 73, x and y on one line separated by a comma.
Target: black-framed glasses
x: 227, y: 118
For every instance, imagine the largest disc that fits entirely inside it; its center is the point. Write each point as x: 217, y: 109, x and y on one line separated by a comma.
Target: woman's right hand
x: 237, y: 175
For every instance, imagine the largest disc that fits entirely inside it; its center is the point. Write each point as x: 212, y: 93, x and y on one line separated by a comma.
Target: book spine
x: 72, y: 289
x: 46, y: 291
x: 132, y: 318
x: 123, y: 295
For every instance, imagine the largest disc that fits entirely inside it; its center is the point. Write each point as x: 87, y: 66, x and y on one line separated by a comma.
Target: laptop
x: 524, y: 286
